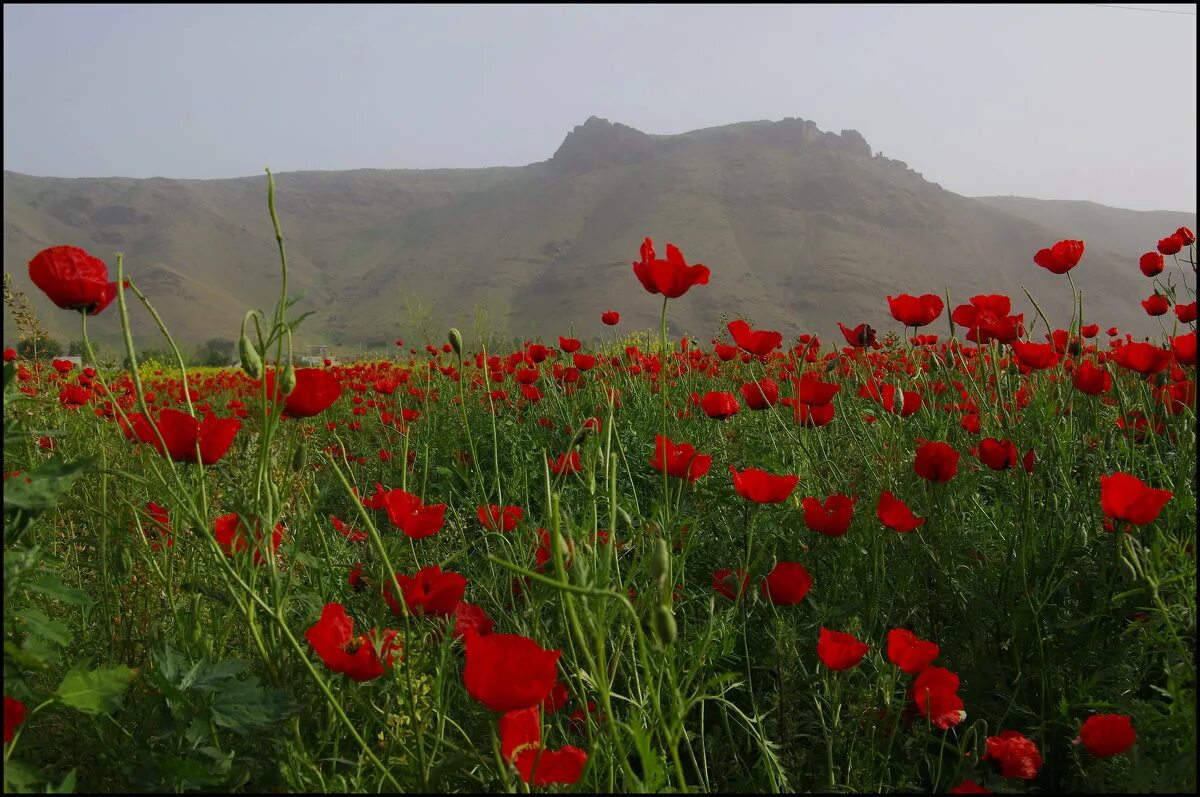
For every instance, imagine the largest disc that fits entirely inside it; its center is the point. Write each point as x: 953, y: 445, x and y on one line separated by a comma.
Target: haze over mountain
x: 801, y: 229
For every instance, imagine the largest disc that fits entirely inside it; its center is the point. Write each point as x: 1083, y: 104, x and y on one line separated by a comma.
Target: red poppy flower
x: 1151, y: 264
x: 230, y: 532
x: 569, y: 345
x: 998, y: 454
x: 73, y: 279
x: 1125, y: 497
x: 610, y: 317
x: 430, y: 592
x: 814, y: 416
x: 316, y: 390
x: 14, y: 715
x: 1185, y: 236
x: 759, y: 343
x: 909, y: 652
x: 760, y: 395
x: 1186, y: 313
x: 1106, y: 735
x: 915, y: 311
x: 860, y: 337
x: 812, y: 391
x: 412, y: 516
x: 498, y: 518
x: 671, y: 277
x: 719, y: 405
x: 1060, y: 258
x: 987, y: 318
x: 540, y: 767
x: 831, y: 517
x: 346, y: 530
x: 520, y: 730
x: 1168, y: 246
x: 1144, y: 358
x: 558, y: 697
x: 1089, y: 330
x: 1017, y: 755
x: 786, y: 584
x: 839, y: 651
x: 181, y: 433
x: 1156, y: 305
x: 160, y: 522
x: 936, y: 697
x: 730, y: 583
x: 566, y: 463
x: 10, y: 354
x: 1035, y: 356
x: 471, y: 619
x: 1184, y: 348
x: 74, y: 396
x: 507, y: 672
x: 679, y: 460
x: 896, y: 515
x: 762, y: 487
x: 969, y: 787
x: 1091, y: 380
x: 333, y: 638
x: 936, y: 462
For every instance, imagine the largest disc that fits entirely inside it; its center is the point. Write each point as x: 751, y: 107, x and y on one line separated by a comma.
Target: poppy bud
x: 625, y: 518
x: 299, y: 457
x: 126, y: 564
x: 288, y: 383
x: 251, y: 362
x: 456, y: 341
x: 664, y: 625
x: 660, y: 561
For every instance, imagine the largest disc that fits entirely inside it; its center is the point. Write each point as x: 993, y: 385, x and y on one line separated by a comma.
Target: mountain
x: 802, y: 228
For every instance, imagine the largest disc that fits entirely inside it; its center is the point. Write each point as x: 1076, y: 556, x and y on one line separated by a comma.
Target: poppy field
x: 956, y: 556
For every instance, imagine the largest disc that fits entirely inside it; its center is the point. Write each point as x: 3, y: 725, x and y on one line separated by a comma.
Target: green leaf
x: 35, y: 653
x: 51, y: 585
x: 66, y: 787
x: 95, y: 691
x: 242, y: 707
x: 43, y: 626
x: 39, y: 489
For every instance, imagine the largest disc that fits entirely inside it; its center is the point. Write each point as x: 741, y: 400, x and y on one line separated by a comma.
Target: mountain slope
x: 801, y: 228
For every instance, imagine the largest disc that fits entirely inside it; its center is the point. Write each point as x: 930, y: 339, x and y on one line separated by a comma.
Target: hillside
x: 801, y: 228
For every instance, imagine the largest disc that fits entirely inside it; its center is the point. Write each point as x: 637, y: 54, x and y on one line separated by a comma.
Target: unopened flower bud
x: 251, y: 362
x: 288, y: 384
x: 664, y: 625
x: 456, y: 341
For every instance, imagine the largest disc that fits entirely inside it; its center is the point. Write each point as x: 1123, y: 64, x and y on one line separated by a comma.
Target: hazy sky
x: 1055, y: 102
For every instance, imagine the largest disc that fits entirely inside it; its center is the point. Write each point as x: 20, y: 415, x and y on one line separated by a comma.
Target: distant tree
x: 75, y: 348
x: 45, y: 349
x: 216, y: 352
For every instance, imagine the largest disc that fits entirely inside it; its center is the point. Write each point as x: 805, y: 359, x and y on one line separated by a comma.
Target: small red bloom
x: 719, y: 405
x: 471, y: 619
x: 786, y: 584
x: 430, y: 592
x: 909, y: 652
x: 412, y: 516
x: 839, y: 651
x: 760, y: 395
x: 1186, y: 313
x: 915, y: 311
x: 671, y: 277
x: 1144, y: 358
x: 230, y: 533
x: 566, y: 463
x: 498, y: 518
x: 997, y: 454
x: 346, y: 530
x: 860, y: 337
x: 1170, y: 245
x: 333, y: 638
x: 969, y: 787
x: 1106, y: 735
x: 1185, y: 236
x: 14, y: 715
x: 936, y: 462
x: 759, y: 343
x: 1035, y: 356
x: 1156, y: 305
x: 1125, y: 497
x: 762, y: 487
x: 181, y: 433
x: 1091, y: 380
x: 507, y: 672
x: 1151, y: 264
x: 679, y: 460
x: 610, y: 317
x: 896, y: 515
x: 1060, y: 258
x: 1184, y: 348
x: 73, y: 279
x: 1017, y: 755
x: 812, y: 391
x: 831, y: 517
